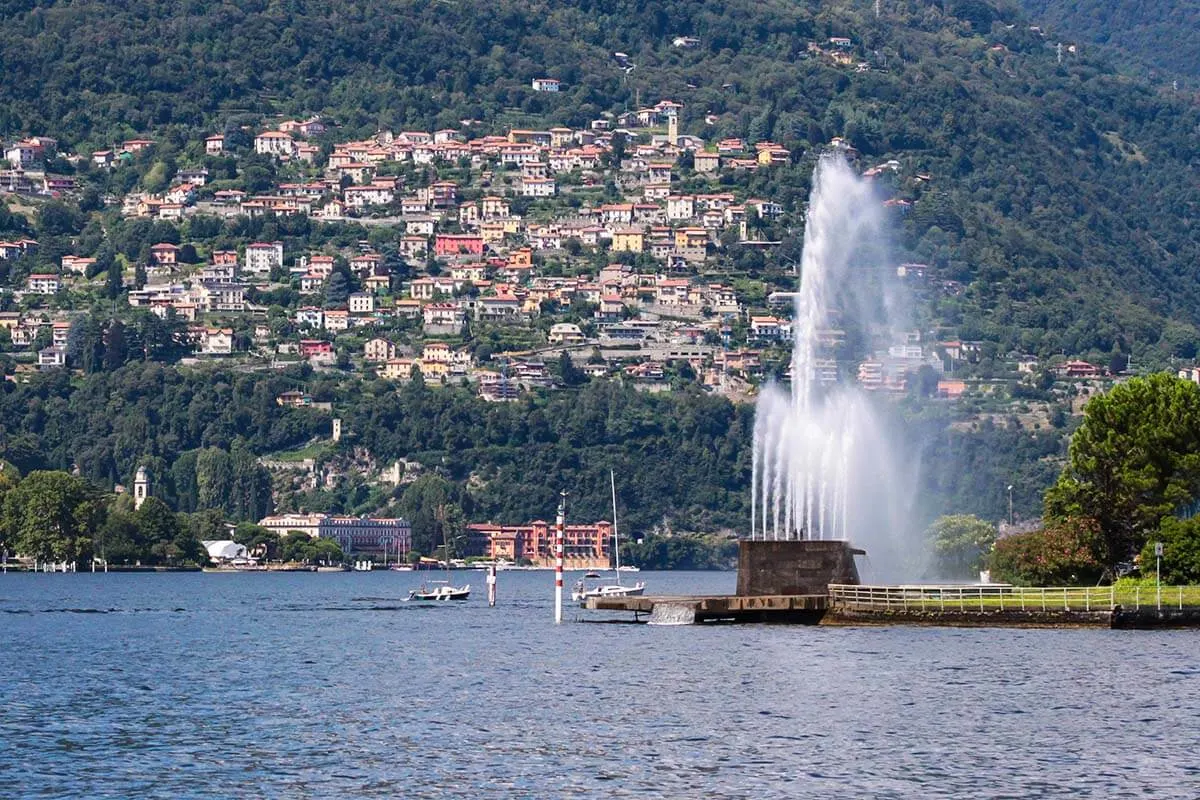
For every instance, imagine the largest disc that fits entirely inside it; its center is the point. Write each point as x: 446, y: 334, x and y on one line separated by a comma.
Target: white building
x: 546, y: 84
x: 43, y: 283
x: 51, y: 357
x: 538, y: 187
x: 23, y: 154
x: 565, y: 333
x: 354, y: 534
x: 362, y: 303
x: 274, y: 143
x: 363, y: 196
x: 222, y: 296
x: 217, y: 341
x: 283, y: 524
x: 262, y: 257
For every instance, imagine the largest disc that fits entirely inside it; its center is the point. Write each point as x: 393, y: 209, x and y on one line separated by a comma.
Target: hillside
x: 1062, y: 198
x: 1163, y: 37
x: 1054, y: 207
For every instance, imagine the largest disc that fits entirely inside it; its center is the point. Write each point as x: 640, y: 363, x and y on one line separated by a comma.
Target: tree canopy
x: 960, y: 544
x: 1133, y: 461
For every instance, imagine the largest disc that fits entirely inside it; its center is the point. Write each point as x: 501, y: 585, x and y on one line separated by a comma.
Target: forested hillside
x: 1061, y: 198
x: 1163, y: 36
x: 1055, y: 205
x: 682, y: 459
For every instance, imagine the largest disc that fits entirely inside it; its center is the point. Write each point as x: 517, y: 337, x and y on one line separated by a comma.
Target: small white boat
x: 581, y: 591
x: 629, y: 568
x: 442, y: 592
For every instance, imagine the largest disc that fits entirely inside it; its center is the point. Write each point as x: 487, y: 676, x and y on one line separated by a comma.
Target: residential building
x: 443, y: 317
x: 216, y: 341
x: 378, y: 350
x: 767, y: 328
x: 222, y: 296
x: 52, y: 357
x: 628, y: 240
x: 362, y: 303
x: 706, y: 162
x: 565, y: 333
x: 317, y: 350
x: 164, y: 254
x: 451, y: 244
x: 43, y: 283
x: 262, y: 257
x: 23, y: 155
x: 274, y: 143
x: 363, y: 196
x: 294, y: 399
x: 538, y: 187
x: 337, y: 320
x: 77, y: 264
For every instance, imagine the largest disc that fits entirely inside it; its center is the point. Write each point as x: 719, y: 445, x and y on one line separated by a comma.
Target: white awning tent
x: 224, y: 550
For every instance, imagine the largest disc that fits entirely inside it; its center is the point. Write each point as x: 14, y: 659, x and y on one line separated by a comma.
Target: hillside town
x: 625, y: 248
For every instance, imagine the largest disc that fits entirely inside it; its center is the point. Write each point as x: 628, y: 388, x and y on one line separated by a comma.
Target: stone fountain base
x: 797, y: 567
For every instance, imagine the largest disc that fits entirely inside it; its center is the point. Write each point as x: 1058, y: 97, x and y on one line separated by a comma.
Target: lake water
x: 330, y: 686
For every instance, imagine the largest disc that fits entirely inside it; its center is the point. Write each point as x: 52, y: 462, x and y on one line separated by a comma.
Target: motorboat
x: 442, y: 591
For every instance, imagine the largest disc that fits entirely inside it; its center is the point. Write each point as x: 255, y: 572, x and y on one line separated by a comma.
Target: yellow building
x: 629, y: 240
x: 691, y: 237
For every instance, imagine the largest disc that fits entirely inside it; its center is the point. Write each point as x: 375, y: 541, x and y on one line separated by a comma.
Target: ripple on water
x: 319, y: 686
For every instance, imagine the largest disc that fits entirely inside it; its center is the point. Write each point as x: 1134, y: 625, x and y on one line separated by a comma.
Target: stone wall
x: 794, y: 567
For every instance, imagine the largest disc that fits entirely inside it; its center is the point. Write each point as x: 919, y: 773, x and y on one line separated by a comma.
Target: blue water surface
x: 332, y: 686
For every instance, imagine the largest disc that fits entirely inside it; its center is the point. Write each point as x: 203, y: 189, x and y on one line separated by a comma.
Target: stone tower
x: 141, y: 488
x: 673, y: 129
x: 337, y: 429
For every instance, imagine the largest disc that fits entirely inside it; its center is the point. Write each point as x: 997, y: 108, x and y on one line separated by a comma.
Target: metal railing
x: 1003, y: 597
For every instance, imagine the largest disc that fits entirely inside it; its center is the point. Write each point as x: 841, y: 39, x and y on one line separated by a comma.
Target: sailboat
x: 441, y: 590
x: 581, y: 591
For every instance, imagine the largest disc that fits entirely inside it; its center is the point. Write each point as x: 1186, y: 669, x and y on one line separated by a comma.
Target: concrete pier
x: 789, y: 609
x: 778, y: 581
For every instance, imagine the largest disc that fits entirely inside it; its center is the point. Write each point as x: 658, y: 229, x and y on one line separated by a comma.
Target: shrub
x: 1181, y: 551
x: 1063, y: 553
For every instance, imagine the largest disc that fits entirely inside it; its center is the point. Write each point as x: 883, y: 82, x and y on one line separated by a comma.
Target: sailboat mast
x: 616, y: 541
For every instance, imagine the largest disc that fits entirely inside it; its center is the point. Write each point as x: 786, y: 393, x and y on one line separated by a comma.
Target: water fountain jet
x: 822, y: 468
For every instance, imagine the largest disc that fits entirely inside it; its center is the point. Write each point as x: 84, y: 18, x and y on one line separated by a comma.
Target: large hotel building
x: 361, y: 535
x: 584, y: 546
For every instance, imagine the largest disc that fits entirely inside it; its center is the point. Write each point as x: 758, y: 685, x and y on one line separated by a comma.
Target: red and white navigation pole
x: 558, y: 557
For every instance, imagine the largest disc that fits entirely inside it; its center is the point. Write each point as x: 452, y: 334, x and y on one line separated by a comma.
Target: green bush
x: 1062, y: 554
x: 1181, y: 551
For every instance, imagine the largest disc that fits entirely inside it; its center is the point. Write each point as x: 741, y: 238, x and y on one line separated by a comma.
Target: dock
x: 993, y: 606
x: 807, y: 582
x: 793, y: 609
